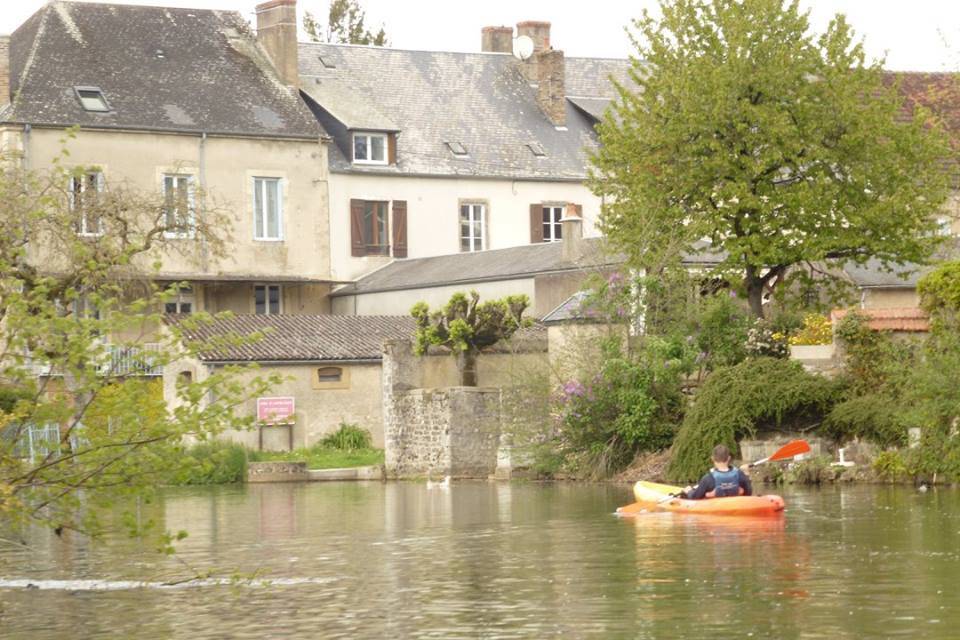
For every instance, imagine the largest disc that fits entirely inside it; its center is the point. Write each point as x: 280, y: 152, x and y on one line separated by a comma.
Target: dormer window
x: 92, y: 98
x: 370, y: 148
x: 536, y: 149
x: 457, y: 149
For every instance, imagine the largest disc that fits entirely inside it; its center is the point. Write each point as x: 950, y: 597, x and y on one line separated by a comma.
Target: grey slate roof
x: 211, y: 76
x: 873, y: 275
x: 308, y: 338
x: 480, y: 100
x: 462, y: 268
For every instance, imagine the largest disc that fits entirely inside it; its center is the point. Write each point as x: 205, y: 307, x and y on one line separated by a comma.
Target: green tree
x: 345, y: 25
x: 781, y: 147
x: 466, y: 326
x: 80, y: 426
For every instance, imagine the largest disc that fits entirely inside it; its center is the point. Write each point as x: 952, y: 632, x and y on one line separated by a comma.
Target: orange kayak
x: 652, y: 497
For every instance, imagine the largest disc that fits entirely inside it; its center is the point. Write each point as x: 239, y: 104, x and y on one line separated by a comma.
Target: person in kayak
x: 722, y: 481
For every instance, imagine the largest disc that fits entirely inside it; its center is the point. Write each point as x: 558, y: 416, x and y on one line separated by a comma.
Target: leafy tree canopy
x: 781, y: 147
x: 345, y: 25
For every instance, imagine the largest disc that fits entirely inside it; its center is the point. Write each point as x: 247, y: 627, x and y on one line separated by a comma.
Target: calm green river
x: 498, y: 560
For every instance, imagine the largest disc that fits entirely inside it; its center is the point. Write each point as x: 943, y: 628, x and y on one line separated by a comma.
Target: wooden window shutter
x: 399, y: 228
x: 536, y: 223
x: 358, y: 247
x: 391, y: 148
x: 578, y: 209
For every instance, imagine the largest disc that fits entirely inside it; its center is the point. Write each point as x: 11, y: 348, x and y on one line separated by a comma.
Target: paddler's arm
x: 745, y: 483
x: 699, y: 492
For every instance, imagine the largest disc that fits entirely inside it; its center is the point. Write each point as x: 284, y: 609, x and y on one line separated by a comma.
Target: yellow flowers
x: 817, y: 329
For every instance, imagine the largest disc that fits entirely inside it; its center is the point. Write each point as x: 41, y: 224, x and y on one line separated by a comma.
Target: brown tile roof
x: 912, y: 319
x: 306, y: 338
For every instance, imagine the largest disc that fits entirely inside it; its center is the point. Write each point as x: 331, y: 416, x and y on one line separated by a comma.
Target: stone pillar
x: 572, y: 232
x: 536, y: 30
x: 277, y: 32
x: 400, y: 373
x: 497, y: 40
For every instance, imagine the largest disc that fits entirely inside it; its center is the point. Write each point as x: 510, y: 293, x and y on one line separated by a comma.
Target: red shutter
x: 536, y: 223
x: 358, y: 247
x: 399, y: 228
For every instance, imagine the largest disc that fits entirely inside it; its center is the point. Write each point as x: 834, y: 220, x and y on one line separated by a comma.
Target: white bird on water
x: 440, y: 484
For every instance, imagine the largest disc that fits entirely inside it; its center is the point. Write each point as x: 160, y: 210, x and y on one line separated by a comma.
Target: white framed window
x: 82, y: 191
x: 267, y: 209
x: 182, y: 302
x: 472, y: 226
x: 178, y: 205
x: 370, y: 148
x: 267, y: 299
x: 552, y: 227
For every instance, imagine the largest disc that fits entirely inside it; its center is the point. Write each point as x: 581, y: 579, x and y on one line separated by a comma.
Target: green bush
x: 739, y: 401
x: 215, y: 462
x: 630, y: 405
x: 815, y: 470
x: 348, y: 437
x: 890, y: 465
x: 874, y: 417
x: 721, y: 331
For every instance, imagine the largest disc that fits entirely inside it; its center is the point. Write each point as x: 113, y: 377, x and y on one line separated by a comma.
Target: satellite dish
x: 523, y: 47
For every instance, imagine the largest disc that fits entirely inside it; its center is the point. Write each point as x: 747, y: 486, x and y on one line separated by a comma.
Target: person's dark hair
x: 721, y: 453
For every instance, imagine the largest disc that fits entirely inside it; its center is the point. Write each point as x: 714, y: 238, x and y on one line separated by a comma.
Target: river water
x: 497, y: 560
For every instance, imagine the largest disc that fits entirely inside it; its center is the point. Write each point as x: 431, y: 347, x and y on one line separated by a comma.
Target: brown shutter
x: 536, y: 223
x: 399, y: 228
x: 391, y: 148
x: 357, y: 245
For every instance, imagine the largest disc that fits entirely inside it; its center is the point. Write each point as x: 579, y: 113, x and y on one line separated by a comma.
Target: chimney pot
x: 572, y: 234
x: 497, y: 40
x: 277, y: 33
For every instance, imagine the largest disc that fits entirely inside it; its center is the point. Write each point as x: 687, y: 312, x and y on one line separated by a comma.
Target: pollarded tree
x: 781, y: 147
x: 466, y: 326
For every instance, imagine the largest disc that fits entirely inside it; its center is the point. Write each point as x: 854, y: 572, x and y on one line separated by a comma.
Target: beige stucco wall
x: 400, y: 302
x: 493, y: 369
x: 297, y: 299
x: 433, y: 226
x: 140, y: 159
x: 889, y: 298
x: 575, y: 348
x: 318, y: 411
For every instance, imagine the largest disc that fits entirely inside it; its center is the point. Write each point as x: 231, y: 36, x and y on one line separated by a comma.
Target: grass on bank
x: 221, y: 462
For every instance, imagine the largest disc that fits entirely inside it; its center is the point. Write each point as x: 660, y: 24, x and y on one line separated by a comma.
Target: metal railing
x: 34, y: 441
x: 132, y: 361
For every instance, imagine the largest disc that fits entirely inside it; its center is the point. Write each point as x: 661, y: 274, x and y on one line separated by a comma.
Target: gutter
x: 323, y: 138
x: 221, y: 363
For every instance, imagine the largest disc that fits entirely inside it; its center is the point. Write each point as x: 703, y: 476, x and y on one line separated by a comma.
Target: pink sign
x: 275, y: 410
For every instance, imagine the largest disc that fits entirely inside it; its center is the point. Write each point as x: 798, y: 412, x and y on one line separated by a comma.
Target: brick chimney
x: 4, y: 71
x: 277, y: 32
x: 545, y: 69
x: 497, y: 40
x: 551, y: 86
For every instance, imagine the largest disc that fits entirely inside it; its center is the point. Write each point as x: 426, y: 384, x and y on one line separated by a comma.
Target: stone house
x: 184, y: 103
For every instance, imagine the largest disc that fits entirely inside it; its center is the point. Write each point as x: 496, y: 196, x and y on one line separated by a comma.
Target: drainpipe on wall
x: 26, y: 147
x: 201, y: 209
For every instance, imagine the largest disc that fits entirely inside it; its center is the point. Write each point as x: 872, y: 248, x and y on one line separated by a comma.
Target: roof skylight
x: 536, y: 149
x: 457, y: 148
x: 92, y: 98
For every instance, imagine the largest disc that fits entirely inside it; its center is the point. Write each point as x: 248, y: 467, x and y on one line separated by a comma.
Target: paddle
x: 789, y: 450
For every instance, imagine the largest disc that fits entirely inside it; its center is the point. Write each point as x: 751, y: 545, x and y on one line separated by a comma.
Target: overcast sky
x: 916, y: 35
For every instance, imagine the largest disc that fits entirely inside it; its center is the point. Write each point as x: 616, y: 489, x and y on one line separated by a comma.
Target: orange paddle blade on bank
x: 789, y: 450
